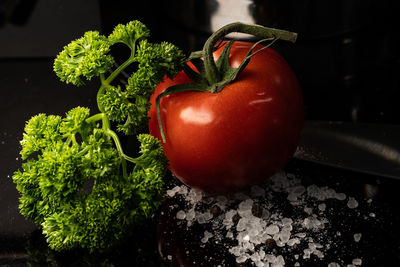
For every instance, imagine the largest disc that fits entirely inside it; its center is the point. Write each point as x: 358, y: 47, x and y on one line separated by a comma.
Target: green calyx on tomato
x: 213, y: 76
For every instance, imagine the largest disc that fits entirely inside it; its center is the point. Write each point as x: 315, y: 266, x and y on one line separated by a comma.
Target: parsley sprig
x: 76, y: 181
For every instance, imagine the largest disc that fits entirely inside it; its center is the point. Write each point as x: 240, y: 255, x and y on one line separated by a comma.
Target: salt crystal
x: 285, y: 236
x: 195, y: 195
x: 330, y: 193
x: 352, y: 203
x: 229, y: 234
x: 227, y: 221
x: 320, y: 193
x: 357, y: 261
x: 293, y: 241
x: 307, y: 253
x: 301, y: 235
x: 200, y: 218
x: 292, y: 197
x: 287, y: 221
x: 372, y: 215
x: 255, y: 257
x: 312, y: 246
x: 241, y: 224
x: 235, y: 251
x: 207, y: 216
x: 270, y: 258
x: 322, y: 207
x: 169, y: 257
x: 357, y: 237
x: 181, y: 215
x: 245, y: 208
x: 308, y: 210
x: 190, y: 215
x: 297, y: 264
x: 319, y: 254
x: 333, y: 264
x: 313, y: 191
x: 173, y: 191
x: 207, y: 235
x: 272, y: 229
x: 280, y: 261
x: 183, y: 190
x: 312, y: 223
x: 340, y: 196
x: 295, y: 192
x: 241, y: 259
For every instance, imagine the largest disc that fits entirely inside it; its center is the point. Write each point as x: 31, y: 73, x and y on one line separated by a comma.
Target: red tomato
x: 240, y: 136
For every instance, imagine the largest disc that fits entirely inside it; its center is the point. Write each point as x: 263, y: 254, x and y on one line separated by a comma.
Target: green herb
x: 76, y: 181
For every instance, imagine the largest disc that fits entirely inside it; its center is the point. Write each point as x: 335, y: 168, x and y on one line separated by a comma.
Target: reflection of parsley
x: 63, y: 154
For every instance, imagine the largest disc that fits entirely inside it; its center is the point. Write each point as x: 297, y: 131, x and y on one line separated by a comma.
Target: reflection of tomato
x: 239, y: 136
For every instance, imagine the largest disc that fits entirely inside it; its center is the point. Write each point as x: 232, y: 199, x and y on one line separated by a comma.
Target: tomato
x: 238, y: 137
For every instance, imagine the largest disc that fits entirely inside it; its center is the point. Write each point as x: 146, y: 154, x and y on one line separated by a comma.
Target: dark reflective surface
x: 347, y: 62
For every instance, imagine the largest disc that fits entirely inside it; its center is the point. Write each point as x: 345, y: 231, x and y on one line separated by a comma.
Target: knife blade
x: 362, y: 147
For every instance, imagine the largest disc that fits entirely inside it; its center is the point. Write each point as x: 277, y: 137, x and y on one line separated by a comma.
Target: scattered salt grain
x: 333, y: 264
x: 241, y: 259
x: 207, y: 235
x: 371, y: 214
x: 308, y: 210
x: 173, y: 191
x: 340, y: 196
x: 190, y: 215
x: 245, y: 207
x: 313, y: 223
x: 322, y: 207
x: 357, y: 237
x: 293, y: 241
x: 181, y: 215
x: 357, y: 262
x: 272, y: 229
x: 352, y: 203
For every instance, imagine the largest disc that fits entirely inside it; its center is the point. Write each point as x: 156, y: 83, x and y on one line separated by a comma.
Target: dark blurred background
x: 346, y: 59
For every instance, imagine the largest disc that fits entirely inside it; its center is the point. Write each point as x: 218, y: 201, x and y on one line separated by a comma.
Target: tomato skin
x: 238, y: 137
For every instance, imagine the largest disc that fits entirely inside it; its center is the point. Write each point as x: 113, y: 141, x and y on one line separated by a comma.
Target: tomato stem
x: 212, y: 73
